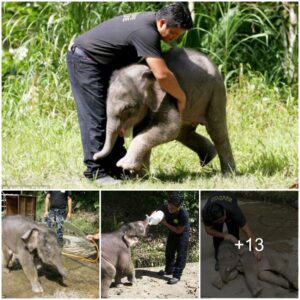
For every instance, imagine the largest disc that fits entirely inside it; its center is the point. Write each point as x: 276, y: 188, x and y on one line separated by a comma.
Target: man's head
x: 215, y: 213
x: 173, y: 20
x: 174, y: 202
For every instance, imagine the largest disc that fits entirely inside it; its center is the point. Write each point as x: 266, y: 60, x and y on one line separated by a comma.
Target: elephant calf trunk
x: 111, y: 137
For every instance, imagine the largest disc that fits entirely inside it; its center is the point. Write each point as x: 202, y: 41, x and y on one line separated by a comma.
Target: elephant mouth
x: 122, y: 132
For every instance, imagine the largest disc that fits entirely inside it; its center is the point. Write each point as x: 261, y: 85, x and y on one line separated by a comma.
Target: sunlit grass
x: 46, y: 151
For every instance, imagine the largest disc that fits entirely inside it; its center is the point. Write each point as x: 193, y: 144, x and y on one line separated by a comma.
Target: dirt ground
x: 150, y: 285
x: 82, y: 282
x: 278, y: 226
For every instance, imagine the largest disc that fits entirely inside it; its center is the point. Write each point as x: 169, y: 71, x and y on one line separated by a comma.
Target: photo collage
x: 149, y: 150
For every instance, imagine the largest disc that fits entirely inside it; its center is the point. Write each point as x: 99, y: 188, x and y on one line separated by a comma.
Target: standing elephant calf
x: 116, y: 255
x: 135, y: 99
x: 26, y: 239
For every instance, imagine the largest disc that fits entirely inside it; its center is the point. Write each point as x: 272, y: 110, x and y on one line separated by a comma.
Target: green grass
x: 41, y: 150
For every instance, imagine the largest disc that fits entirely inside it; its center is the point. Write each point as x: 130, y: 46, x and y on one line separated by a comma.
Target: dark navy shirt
x: 229, y: 203
x: 59, y: 199
x: 178, y: 219
x: 122, y: 40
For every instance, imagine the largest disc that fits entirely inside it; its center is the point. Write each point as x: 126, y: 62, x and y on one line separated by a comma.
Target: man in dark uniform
x: 111, y: 45
x: 60, y: 203
x: 223, y: 208
x: 176, y: 219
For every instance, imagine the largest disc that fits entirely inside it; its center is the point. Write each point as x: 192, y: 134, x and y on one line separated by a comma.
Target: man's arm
x: 69, y: 207
x: 47, y: 201
x: 167, y: 80
x: 177, y: 230
x: 213, y: 232
x: 246, y: 229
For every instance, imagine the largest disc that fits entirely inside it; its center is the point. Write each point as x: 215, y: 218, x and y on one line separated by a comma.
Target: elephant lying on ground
x: 116, y: 255
x: 135, y: 99
x: 26, y: 239
x: 271, y: 268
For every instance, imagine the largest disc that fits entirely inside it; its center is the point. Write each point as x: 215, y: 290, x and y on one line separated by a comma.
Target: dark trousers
x: 89, y: 81
x: 176, y: 244
x: 232, y: 228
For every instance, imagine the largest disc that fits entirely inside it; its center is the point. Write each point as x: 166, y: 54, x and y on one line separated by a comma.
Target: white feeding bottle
x: 156, y: 217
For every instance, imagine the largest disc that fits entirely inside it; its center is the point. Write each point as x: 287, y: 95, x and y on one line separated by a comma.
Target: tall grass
x: 252, y: 43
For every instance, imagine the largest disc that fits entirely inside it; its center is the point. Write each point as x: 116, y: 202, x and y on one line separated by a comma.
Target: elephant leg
x: 291, y: 277
x: 217, y: 129
x: 280, y: 266
x: 7, y: 255
x: 164, y: 127
x: 143, y: 172
x: 108, y: 273
x: 27, y: 263
x: 250, y: 269
x: 118, y: 278
x: 273, y: 278
x: 131, y: 273
x: 198, y: 143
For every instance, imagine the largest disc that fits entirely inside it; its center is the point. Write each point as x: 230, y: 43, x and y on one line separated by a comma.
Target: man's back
x: 122, y: 40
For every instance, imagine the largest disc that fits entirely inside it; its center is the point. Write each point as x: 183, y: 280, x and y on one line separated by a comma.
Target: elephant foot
x: 131, y: 280
x: 218, y: 283
x: 104, y: 295
x: 117, y: 285
x: 255, y: 293
x: 127, y: 163
x: 37, y: 288
x: 6, y: 270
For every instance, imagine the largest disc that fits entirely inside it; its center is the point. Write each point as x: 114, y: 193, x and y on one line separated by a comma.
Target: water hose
x: 81, y: 258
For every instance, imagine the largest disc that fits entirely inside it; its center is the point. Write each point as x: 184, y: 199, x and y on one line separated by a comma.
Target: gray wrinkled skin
x: 135, y: 99
x: 271, y: 268
x: 116, y: 255
x: 26, y: 239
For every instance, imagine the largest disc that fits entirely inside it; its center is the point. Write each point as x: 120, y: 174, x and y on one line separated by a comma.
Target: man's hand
x: 230, y: 237
x: 68, y: 216
x: 90, y: 237
x: 167, y: 81
x: 46, y: 215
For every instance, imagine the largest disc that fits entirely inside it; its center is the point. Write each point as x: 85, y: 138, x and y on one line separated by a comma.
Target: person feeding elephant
x: 113, y: 44
x: 176, y: 219
x: 223, y: 208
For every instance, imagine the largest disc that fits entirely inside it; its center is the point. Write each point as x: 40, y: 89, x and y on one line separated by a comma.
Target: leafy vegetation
x: 254, y: 45
x: 85, y: 209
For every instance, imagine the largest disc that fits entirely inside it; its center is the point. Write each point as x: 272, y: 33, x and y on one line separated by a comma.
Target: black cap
x: 176, y: 198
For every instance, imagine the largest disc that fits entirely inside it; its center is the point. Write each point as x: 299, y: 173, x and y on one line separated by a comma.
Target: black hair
x: 176, y: 198
x: 214, y: 212
x: 176, y: 15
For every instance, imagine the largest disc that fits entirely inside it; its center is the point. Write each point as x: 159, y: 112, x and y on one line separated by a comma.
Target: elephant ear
x: 153, y: 93
x: 130, y: 240
x: 30, y: 238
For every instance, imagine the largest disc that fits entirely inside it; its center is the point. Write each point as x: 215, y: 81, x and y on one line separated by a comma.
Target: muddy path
x: 150, y: 285
x: 278, y: 226
x: 82, y: 282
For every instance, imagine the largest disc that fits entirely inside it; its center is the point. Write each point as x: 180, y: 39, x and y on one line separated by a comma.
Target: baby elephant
x: 136, y: 100
x: 116, y: 255
x: 271, y: 268
x: 26, y: 239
